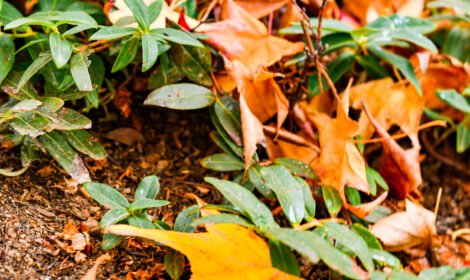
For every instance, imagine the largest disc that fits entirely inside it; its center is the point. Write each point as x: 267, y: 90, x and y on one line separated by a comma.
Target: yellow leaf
x: 224, y: 252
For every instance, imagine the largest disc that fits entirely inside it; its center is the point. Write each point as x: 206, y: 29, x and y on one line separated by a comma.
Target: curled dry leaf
x: 399, y: 167
x: 242, y: 37
x: 285, y: 147
x: 361, y: 210
x: 406, y: 230
x: 125, y: 135
x: 257, y: 8
x: 91, y: 274
x: 224, y: 252
x: 368, y: 10
x: 252, y: 130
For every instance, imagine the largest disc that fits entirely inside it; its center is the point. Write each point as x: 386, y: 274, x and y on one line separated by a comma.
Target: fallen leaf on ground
x: 369, y: 10
x: 252, y: 130
x: 224, y: 252
x: 449, y: 252
x: 406, y: 230
x: 242, y: 37
x: 399, y: 167
x: 126, y: 135
x: 258, y: 8
x: 91, y: 274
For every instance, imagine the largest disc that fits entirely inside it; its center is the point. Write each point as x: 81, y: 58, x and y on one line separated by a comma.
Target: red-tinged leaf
x: 182, y: 20
x: 399, y: 167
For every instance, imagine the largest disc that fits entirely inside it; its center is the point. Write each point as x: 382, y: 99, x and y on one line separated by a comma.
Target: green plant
x: 121, y: 211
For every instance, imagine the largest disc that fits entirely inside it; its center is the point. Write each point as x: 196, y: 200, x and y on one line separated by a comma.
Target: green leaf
x: 38, y: 63
x: 29, y: 151
x: 306, y: 243
x: 454, y: 99
x: 328, y: 26
x: 433, y: 115
x: 106, y: 195
x: 310, y: 204
x: 401, y: 63
x: 400, y: 22
x: 68, y: 119
x: 372, y: 66
x: 8, y: 13
x: 57, y: 146
x: 185, y: 218
x: 7, y: 56
x: 114, y: 216
x: 246, y: 202
x: 64, y: 17
x: 146, y: 204
x: 61, y: 49
x: 368, y: 237
x: 25, y: 106
x: 79, y: 28
x: 140, y: 221
x: 223, y: 218
x: 283, y: 258
x: 438, y: 273
x: 140, y: 12
x: 148, y: 188
x: 223, y: 162
x: 457, y: 43
x: 10, y: 86
x: 463, y: 138
x: 28, y: 21
x: 227, y: 111
x: 373, y: 179
x: 126, y: 54
x: 332, y: 200
x: 181, y: 97
x: 154, y: 10
x: 82, y: 141
x: 414, y: 38
x: 353, y: 195
x: 337, y: 41
x: 287, y: 190
x: 297, y: 167
x: 79, y: 70
x: 30, y: 123
x: 176, y: 36
x: 174, y: 264
x: 149, y: 51
x: 110, y: 241
x: 165, y: 74
x: 352, y: 241
x: 254, y: 176
x: 385, y: 258
x: 112, y: 32
x: 234, y: 148
x: 194, y: 62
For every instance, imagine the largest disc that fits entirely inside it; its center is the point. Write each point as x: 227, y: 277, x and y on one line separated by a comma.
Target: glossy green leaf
x: 400, y: 22
x: 10, y: 86
x: 154, y: 10
x: 433, y: 115
x: 223, y: 218
x: 438, y: 273
x: 372, y: 66
x: 297, y: 167
x: 228, y: 115
x: 399, y: 62
x: 68, y: 119
x: 112, y: 32
x: 368, y: 237
x: 38, y: 63
x: 140, y: 12
x: 8, y: 13
x: 140, y: 221
x: 328, y: 26
x: 28, y: 21
x: 177, y: 36
x: 83, y: 142
x: 185, y: 218
x: 148, y: 188
x: 7, y: 56
x: 114, y: 216
x: 79, y: 70
x: 255, y: 177
x: 385, y: 258
x: 110, y: 241
x: 234, y: 148
x: 29, y: 151
x: 182, y: 96
x: 373, y: 179
x: 246, y: 202
x: 337, y: 41
x: 287, y: 190
x: 457, y: 43
x: 106, y: 195
x: 25, y: 106
x: 61, y: 49
x: 58, y: 147
x: 310, y: 204
x: 126, y: 54
x: 149, y: 51
x: 146, y: 204
x: 353, y: 195
x: 223, y: 162
x: 30, y: 123
x: 283, y: 258
x: 165, y: 74
x: 463, y: 138
x: 174, y: 264
x: 455, y: 99
x: 332, y: 200
x: 352, y: 241
x: 194, y: 62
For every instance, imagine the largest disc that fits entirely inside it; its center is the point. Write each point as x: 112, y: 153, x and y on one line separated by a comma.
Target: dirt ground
x: 36, y: 206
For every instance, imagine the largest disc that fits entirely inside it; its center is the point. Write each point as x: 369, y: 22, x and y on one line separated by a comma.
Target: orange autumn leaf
x: 340, y: 162
x: 369, y: 10
x: 389, y: 103
x: 258, y: 87
x: 399, y: 167
x: 242, y: 37
x: 259, y: 8
x: 226, y: 251
x: 252, y: 130
x: 283, y: 148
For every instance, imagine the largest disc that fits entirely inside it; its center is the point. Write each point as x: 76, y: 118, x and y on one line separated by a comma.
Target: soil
x: 36, y: 206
